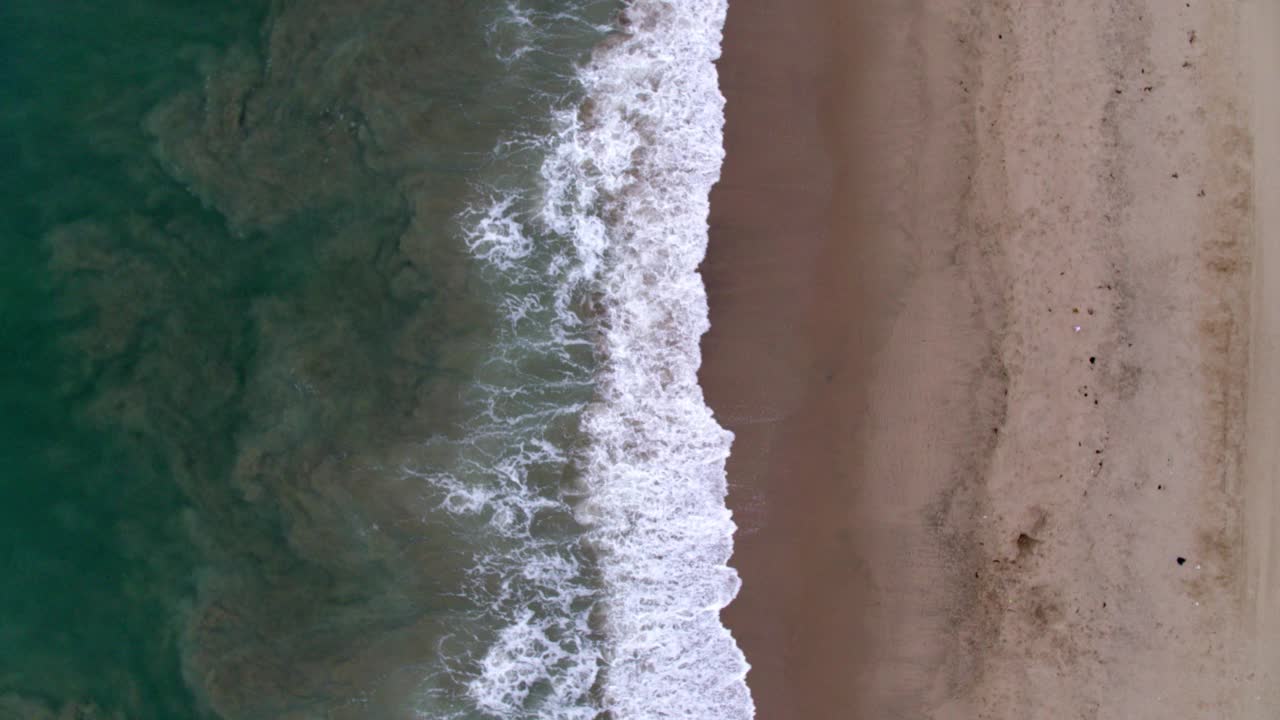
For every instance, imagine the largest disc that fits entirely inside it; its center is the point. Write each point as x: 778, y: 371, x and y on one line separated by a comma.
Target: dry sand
x: 1261, y: 40
x: 953, y: 503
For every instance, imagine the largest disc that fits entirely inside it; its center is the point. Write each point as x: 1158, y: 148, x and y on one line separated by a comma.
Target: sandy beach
x: 994, y: 321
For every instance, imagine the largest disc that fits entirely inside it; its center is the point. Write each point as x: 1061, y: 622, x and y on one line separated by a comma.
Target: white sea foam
x: 618, y: 227
x: 644, y: 158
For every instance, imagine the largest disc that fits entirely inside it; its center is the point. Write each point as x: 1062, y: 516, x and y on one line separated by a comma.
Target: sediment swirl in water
x: 388, y: 313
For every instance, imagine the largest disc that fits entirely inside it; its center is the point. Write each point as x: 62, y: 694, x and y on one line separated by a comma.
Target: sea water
x: 350, y: 354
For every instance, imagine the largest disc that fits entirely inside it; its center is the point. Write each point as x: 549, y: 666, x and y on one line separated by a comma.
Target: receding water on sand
x: 304, y: 308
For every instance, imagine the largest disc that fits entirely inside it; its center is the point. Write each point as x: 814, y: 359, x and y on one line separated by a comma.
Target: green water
x: 232, y: 302
x: 95, y: 562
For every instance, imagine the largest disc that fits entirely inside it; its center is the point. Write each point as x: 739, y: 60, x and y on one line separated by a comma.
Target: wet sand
x: 980, y: 282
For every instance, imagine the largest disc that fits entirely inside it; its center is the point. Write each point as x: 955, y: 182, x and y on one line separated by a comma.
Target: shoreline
x: 846, y: 589
x: 979, y: 284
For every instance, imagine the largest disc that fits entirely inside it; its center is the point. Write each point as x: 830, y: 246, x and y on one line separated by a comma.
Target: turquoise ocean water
x: 346, y: 361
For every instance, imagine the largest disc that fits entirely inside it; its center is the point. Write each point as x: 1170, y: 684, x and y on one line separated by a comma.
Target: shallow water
x: 306, y: 306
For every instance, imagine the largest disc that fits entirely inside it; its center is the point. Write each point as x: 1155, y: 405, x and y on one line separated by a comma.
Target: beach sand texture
x: 995, y: 323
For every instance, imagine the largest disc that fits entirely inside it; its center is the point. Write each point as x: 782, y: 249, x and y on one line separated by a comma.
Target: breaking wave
x: 594, y: 466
